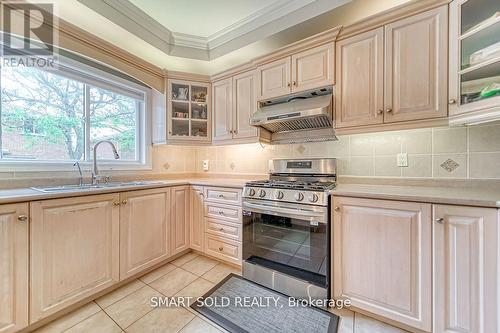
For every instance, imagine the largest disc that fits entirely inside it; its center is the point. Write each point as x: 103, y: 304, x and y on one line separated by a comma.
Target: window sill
x: 39, y: 166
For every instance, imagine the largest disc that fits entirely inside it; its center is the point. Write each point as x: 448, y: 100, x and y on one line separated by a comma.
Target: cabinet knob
x: 337, y: 209
x: 452, y: 101
x: 440, y: 220
x: 388, y: 110
x: 22, y: 218
x: 124, y: 202
x: 294, y: 83
x: 221, y: 229
x: 221, y: 212
x: 221, y: 248
x: 116, y: 204
x: 288, y: 84
x: 380, y: 111
x: 221, y: 195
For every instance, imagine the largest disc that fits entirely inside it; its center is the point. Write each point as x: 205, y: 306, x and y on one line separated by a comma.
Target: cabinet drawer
x: 231, y: 196
x: 225, y: 249
x: 224, y: 212
x: 223, y: 228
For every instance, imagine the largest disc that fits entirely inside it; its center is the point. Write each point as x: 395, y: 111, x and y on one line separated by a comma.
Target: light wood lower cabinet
x: 196, y: 229
x: 466, y: 269
x: 382, y: 258
x: 74, y: 250
x: 144, y: 230
x: 13, y: 267
x: 179, y: 220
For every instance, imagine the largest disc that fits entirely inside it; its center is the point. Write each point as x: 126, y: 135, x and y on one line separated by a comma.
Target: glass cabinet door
x: 188, y: 111
x: 477, y: 34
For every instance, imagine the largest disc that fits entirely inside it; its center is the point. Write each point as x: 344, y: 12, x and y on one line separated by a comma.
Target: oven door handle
x: 286, y: 212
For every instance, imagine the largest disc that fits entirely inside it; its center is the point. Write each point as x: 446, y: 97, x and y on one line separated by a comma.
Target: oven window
x: 289, y: 245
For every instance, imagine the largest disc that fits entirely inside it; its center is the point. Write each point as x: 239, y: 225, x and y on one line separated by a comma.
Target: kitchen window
x: 55, y: 117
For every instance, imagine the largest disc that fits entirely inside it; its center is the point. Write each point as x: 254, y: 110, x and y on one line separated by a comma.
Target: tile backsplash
x: 470, y: 153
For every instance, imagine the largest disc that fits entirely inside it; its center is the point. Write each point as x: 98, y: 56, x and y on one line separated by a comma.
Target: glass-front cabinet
x: 474, y: 56
x: 188, y: 111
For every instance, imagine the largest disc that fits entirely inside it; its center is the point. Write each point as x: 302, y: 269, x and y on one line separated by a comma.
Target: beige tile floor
x: 128, y: 309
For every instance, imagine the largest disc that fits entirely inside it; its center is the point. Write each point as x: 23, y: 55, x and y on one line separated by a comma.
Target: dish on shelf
x: 484, y: 23
x: 490, y: 52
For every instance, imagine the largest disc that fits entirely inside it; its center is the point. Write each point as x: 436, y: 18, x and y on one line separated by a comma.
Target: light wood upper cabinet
x: 144, y: 238
x: 13, y: 267
x: 244, y: 105
x: 416, y: 67
x: 309, y: 69
x: 179, y: 220
x: 222, y: 92
x: 196, y: 229
x: 74, y: 250
x: 466, y: 254
x: 382, y: 258
x: 313, y: 68
x: 360, y: 80
x: 273, y: 79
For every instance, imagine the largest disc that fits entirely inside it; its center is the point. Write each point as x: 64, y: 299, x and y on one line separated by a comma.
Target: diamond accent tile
x: 449, y: 165
x: 301, y: 149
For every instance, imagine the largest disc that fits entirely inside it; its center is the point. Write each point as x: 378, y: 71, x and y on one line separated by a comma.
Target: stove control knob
x: 299, y: 196
x: 313, y: 197
x: 251, y: 192
x: 279, y: 195
x: 262, y: 193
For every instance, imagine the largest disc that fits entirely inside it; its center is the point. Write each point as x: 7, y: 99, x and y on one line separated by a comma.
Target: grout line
x: 111, y: 318
x: 74, y: 312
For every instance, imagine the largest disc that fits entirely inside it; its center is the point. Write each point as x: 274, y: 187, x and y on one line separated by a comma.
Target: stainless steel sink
x: 88, y: 187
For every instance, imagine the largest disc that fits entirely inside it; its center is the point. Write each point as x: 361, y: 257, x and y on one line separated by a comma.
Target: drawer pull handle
x: 124, y: 202
x: 22, y: 218
x: 440, y: 220
x: 221, y: 195
x: 116, y: 204
x: 221, y: 229
x: 337, y: 209
x: 221, y: 248
x: 221, y: 212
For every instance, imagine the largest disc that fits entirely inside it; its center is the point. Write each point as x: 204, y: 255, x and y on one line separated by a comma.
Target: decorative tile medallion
x: 449, y: 165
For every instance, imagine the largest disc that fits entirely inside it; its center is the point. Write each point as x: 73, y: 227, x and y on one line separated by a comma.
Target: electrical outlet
x: 402, y: 160
x: 206, y: 165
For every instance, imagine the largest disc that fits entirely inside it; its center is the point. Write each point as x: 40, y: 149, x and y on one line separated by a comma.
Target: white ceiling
x: 207, y: 30
x: 99, y: 25
x: 200, y: 17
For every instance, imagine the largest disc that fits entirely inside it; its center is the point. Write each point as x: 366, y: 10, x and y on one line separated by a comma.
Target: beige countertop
x: 466, y: 196
x: 28, y: 194
x: 440, y: 194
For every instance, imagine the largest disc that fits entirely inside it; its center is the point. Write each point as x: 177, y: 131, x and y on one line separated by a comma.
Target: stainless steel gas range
x: 286, y: 227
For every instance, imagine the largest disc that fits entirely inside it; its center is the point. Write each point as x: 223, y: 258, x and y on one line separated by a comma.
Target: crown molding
x: 269, y: 20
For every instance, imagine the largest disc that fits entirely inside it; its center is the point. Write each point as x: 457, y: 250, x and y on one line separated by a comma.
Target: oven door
x: 289, y: 238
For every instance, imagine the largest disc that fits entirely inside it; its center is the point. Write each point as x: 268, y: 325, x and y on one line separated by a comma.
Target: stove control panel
x: 287, y: 195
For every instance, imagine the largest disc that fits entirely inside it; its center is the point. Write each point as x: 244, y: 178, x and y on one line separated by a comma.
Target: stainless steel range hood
x: 301, y: 117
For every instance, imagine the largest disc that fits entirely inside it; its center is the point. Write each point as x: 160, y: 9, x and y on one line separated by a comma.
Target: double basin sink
x: 87, y: 187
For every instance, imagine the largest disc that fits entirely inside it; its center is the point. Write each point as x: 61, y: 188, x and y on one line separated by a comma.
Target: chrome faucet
x: 95, y: 171
x: 77, y: 164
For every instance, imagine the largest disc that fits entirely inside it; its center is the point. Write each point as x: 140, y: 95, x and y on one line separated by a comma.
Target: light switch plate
x: 402, y: 160
x: 206, y: 165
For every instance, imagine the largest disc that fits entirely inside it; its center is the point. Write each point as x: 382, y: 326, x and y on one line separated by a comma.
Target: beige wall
x: 475, y: 149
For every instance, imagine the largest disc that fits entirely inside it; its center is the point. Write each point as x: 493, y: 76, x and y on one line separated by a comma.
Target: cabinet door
x: 13, y: 267
x: 244, y: 105
x: 466, y: 257
x: 382, y: 258
x: 273, y: 79
x: 360, y: 80
x: 74, y: 250
x: 196, y: 230
x: 416, y: 73
x: 222, y: 93
x: 144, y: 219
x: 179, y: 221
x: 313, y: 68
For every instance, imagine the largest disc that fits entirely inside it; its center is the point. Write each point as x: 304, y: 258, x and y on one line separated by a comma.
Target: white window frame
x: 98, y: 78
